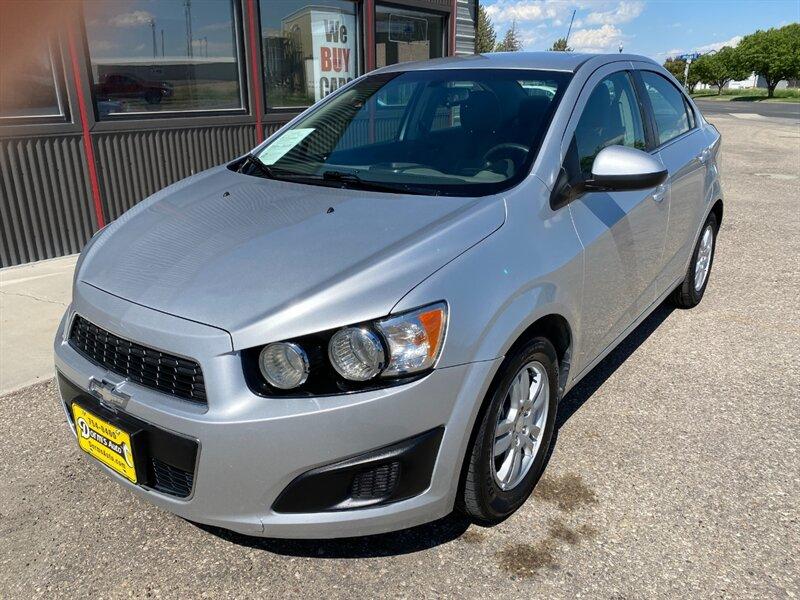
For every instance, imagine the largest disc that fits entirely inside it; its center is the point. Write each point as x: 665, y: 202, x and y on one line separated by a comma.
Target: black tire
x: 686, y: 295
x: 152, y: 97
x: 481, y: 498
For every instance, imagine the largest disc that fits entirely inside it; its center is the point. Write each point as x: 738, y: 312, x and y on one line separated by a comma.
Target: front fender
x: 531, y: 267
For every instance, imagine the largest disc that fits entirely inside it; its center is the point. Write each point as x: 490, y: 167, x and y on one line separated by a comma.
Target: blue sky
x: 655, y: 28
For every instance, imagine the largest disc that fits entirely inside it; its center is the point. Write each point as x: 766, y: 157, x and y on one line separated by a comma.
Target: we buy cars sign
x: 334, y: 39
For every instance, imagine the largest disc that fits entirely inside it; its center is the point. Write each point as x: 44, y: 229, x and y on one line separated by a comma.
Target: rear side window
x: 611, y: 117
x: 669, y: 107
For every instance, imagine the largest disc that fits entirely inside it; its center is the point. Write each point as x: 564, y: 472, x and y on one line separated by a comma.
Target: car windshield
x: 451, y: 132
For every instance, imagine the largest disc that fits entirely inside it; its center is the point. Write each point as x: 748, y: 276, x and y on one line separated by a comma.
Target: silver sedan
x: 369, y: 320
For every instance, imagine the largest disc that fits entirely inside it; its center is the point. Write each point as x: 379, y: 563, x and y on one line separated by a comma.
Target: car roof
x: 547, y: 61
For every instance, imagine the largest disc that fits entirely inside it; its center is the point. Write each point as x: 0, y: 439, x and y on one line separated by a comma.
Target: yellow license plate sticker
x: 105, y: 442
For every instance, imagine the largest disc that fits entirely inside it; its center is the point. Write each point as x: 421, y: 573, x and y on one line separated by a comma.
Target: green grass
x: 757, y: 95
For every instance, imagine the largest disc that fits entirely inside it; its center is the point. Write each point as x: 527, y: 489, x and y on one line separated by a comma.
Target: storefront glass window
x: 310, y: 49
x: 405, y: 35
x: 168, y: 56
x: 28, y: 85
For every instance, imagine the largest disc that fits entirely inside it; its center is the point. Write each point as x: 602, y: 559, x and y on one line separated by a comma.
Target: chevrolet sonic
x: 369, y: 320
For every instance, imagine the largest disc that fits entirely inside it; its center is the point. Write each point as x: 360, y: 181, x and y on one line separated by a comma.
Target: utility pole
x: 153, y: 31
x: 187, y: 5
x: 566, y: 41
x: 162, y: 43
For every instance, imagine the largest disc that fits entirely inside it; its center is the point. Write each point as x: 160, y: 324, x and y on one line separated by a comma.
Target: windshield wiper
x: 256, y: 162
x: 354, y: 180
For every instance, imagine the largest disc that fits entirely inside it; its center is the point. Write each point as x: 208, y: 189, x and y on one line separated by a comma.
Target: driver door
x: 622, y: 232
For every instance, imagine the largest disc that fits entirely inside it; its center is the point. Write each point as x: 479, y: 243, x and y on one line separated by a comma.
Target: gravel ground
x: 675, y: 471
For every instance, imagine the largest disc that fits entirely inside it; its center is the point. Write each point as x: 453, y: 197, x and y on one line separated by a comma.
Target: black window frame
x: 239, y: 24
x: 282, y: 114
x: 60, y: 86
x: 645, y: 114
x: 691, y: 116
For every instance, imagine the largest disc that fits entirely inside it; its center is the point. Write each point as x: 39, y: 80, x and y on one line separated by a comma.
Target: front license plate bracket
x: 108, y: 441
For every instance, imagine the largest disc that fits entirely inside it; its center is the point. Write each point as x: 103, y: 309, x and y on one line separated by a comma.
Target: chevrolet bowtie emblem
x: 108, y: 392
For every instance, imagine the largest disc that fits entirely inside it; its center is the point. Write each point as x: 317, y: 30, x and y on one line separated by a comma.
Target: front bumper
x: 251, y: 448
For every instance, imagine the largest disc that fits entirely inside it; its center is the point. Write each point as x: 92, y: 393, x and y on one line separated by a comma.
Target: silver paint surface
x: 203, y: 275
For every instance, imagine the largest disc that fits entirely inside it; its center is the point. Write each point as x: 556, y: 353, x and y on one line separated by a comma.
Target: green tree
x: 719, y: 68
x: 560, y: 45
x: 511, y: 41
x: 485, y: 38
x: 773, y: 54
x: 692, y: 80
x: 676, y: 66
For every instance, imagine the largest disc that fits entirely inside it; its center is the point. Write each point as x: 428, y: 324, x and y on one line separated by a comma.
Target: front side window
x: 29, y: 87
x: 310, y: 49
x: 455, y: 132
x: 404, y: 35
x: 158, y: 57
x: 669, y: 107
x: 611, y: 117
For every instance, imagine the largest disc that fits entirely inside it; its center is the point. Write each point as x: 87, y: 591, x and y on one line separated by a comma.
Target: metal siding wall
x: 45, y: 201
x: 466, y: 22
x: 133, y: 165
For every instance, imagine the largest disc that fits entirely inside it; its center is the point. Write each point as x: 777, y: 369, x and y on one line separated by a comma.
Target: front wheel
x: 509, y: 450
x: 689, y: 293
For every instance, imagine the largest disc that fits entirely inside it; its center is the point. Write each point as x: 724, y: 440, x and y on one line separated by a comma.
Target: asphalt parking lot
x: 676, y: 468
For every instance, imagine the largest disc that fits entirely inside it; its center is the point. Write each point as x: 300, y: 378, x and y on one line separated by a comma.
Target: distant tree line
x: 773, y: 54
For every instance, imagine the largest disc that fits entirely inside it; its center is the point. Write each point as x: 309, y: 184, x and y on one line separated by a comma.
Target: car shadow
x: 451, y: 527
x: 406, y: 541
x: 578, y: 395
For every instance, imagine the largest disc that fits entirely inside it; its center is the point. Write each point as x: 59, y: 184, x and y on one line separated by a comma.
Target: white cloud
x: 602, y: 39
x: 101, y: 46
x: 524, y: 11
x: 131, y: 19
x: 623, y: 12
x: 732, y: 42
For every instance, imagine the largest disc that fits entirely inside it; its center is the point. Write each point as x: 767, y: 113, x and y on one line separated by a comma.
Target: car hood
x: 268, y: 260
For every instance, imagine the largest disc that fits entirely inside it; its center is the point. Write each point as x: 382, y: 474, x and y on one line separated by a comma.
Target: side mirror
x: 623, y: 168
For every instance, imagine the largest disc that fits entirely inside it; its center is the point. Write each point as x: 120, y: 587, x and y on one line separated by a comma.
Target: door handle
x: 660, y: 192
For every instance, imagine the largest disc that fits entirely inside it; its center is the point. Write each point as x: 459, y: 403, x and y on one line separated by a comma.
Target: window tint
x: 611, y: 117
x: 310, y: 49
x: 151, y: 57
x: 28, y: 87
x: 669, y: 107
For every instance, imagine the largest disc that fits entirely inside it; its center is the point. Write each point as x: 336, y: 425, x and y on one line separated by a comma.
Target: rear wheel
x: 691, y: 290
x: 509, y: 450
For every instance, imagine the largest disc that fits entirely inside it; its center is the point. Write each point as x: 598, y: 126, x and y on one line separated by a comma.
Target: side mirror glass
x: 623, y: 168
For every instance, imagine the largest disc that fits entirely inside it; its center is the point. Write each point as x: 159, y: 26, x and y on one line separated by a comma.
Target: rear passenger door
x: 682, y: 148
x: 622, y: 232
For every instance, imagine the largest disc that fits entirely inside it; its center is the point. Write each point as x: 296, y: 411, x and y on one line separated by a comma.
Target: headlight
x: 284, y: 365
x: 366, y: 355
x: 414, y: 339
x: 356, y: 353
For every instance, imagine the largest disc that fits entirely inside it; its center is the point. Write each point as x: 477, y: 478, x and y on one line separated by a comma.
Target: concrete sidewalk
x: 33, y: 298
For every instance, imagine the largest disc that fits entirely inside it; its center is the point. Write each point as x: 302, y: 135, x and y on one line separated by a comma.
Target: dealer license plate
x: 106, y: 442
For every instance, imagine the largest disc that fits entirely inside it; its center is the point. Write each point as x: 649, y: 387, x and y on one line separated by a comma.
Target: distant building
x: 124, y: 97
